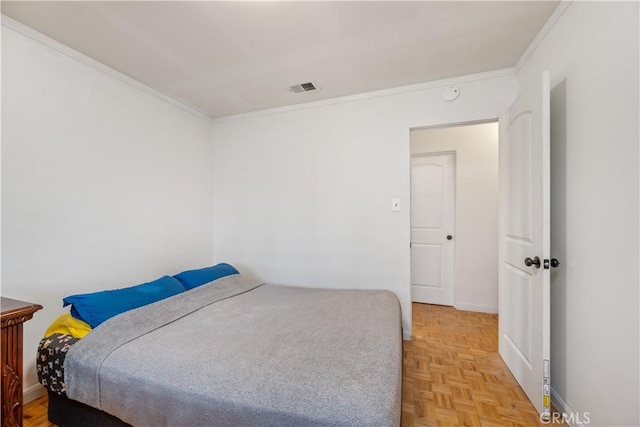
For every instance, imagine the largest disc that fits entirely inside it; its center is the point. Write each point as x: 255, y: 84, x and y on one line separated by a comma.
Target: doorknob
x: 529, y: 262
x: 449, y: 237
x: 553, y: 262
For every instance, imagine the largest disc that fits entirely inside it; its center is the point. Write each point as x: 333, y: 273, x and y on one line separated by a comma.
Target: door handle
x: 529, y: 262
x: 553, y: 263
x: 449, y: 237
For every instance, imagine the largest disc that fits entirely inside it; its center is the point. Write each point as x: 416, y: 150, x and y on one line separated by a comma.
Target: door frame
x: 410, y: 156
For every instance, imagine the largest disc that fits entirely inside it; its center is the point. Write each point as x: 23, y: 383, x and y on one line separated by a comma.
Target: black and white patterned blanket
x: 52, y: 352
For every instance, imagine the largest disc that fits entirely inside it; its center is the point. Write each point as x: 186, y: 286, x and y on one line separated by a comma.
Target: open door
x: 524, y: 299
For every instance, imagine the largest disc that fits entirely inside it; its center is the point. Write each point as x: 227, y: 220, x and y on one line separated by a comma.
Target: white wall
x: 103, y: 185
x: 592, y: 55
x: 476, y: 209
x: 303, y: 197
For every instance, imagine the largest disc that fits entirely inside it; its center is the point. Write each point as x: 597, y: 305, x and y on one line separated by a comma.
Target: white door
x: 524, y: 324
x: 432, y: 222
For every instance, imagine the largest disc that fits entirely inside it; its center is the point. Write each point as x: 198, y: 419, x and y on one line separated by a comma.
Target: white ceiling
x: 225, y: 58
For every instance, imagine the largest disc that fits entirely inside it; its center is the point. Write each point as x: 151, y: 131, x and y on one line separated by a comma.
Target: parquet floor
x: 34, y: 414
x: 452, y: 376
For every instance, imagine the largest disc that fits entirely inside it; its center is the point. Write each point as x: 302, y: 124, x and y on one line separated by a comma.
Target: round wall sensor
x: 450, y: 93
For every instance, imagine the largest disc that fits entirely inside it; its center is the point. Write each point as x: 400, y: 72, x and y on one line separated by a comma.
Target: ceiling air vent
x: 303, y: 87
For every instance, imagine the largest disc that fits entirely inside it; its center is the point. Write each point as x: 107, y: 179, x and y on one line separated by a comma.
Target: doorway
x: 473, y: 267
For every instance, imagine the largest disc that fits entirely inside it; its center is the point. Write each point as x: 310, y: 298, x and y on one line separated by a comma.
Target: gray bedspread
x: 238, y: 353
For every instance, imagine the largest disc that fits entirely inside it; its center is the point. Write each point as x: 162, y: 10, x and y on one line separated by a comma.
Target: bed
x: 233, y: 352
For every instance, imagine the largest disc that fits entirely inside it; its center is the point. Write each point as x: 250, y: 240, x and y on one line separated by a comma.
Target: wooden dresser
x: 14, y: 314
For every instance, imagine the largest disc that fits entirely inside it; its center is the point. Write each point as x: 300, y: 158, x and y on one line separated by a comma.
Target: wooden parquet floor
x: 452, y: 376
x: 34, y: 414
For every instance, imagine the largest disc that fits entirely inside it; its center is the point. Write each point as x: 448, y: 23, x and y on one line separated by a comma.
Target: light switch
x: 395, y: 205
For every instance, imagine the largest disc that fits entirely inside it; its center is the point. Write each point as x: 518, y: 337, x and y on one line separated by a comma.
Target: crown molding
x: 38, y: 37
x: 419, y: 87
x: 546, y: 28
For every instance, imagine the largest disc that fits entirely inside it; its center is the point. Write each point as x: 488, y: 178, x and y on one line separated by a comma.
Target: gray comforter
x: 238, y: 353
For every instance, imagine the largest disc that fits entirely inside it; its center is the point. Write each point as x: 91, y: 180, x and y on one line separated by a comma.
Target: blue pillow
x: 193, y: 278
x: 97, y: 307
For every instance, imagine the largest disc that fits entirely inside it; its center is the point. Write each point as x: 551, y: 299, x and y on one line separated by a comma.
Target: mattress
x: 236, y: 352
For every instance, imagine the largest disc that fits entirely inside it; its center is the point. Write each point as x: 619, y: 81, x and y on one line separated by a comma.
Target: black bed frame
x: 71, y: 413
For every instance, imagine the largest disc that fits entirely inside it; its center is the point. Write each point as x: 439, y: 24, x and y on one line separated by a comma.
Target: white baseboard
x: 563, y: 408
x: 559, y: 403
x: 476, y: 307
x: 30, y: 394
